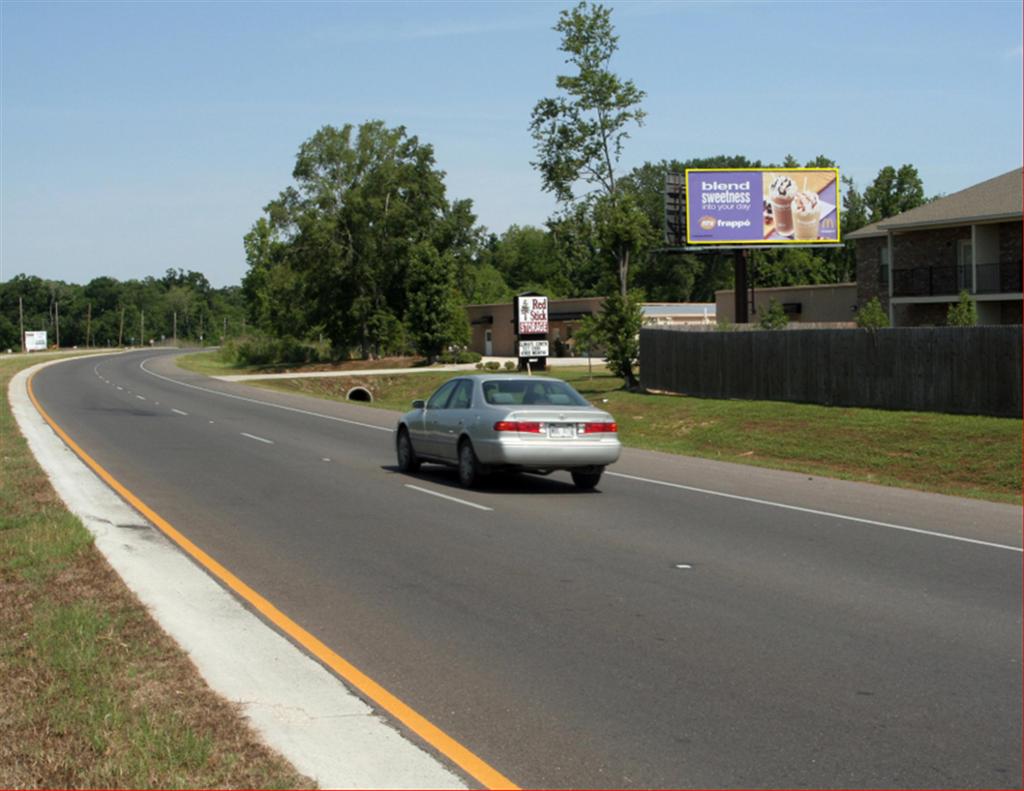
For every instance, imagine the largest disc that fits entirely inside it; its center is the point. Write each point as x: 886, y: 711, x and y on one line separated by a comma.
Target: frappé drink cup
x: 780, y: 194
x: 806, y: 215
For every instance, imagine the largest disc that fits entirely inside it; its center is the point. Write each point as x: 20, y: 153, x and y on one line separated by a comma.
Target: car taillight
x: 518, y: 425
x: 598, y: 428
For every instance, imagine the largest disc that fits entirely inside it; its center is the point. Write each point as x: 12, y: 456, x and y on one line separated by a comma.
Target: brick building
x: 493, y: 326
x: 918, y: 262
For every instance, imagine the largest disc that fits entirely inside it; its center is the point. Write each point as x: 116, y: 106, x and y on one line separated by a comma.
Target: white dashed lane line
x: 141, y: 398
x: 258, y: 439
x: 448, y: 497
x: 179, y: 412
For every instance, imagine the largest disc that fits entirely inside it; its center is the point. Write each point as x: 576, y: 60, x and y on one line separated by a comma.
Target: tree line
x: 106, y: 312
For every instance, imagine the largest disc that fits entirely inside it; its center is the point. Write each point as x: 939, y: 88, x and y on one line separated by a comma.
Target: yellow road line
x: 462, y: 757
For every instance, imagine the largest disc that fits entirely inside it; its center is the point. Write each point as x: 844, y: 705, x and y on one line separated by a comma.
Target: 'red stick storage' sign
x: 532, y: 316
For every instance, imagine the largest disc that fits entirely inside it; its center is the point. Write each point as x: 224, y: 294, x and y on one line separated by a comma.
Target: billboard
x: 532, y: 315
x: 35, y: 341
x: 762, y: 206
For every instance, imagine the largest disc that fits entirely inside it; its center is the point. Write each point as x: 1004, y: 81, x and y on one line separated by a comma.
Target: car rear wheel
x: 407, y: 459
x: 586, y: 479
x: 469, y: 465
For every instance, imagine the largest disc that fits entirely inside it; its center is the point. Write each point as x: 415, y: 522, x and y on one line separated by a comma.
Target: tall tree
x: 893, y: 192
x: 579, y: 135
x: 363, y: 199
x: 436, y: 319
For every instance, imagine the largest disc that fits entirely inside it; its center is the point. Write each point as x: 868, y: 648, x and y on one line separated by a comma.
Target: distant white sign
x: 35, y: 341
x: 533, y: 348
x: 533, y: 315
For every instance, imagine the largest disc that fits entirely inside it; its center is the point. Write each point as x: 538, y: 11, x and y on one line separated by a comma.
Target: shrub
x: 258, y: 349
x: 775, y: 317
x: 460, y: 356
x: 872, y: 316
x: 492, y: 365
x: 510, y: 365
x: 963, y: 313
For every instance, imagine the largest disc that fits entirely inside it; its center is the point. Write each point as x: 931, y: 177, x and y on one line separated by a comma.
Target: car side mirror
x: 419, y: 403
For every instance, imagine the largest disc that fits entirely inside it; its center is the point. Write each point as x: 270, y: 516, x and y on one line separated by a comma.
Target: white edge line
x: 818, y: 513
x: 142, y: 365
x: 258, y: 439
x: 448, y: 497
x: 179, y: 412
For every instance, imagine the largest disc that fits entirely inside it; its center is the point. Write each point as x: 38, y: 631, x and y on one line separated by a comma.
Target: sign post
x: 531, y: 318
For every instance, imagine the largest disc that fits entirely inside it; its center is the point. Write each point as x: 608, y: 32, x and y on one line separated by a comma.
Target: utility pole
x: 225, y: 333
x: 21, y: 323
x: 142, y: 328
x: 56, y: 320
x: 120, y: 330
x: 174, y: 331
x: 88, y: 324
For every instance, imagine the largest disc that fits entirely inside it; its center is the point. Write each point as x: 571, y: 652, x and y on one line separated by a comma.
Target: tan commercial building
x: 832, y: 304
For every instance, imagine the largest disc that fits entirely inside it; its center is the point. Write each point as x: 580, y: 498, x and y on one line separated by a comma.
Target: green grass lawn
x: 965, y: 455
x: 93, y: 694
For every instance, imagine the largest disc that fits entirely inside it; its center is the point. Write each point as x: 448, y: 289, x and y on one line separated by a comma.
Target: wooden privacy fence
x: 972, y: 370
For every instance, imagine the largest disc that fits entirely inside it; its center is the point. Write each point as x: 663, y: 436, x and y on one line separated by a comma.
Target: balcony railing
x: 936, y: 281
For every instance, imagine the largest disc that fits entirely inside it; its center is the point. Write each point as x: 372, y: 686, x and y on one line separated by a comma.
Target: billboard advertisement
x: 35, y: 341
x: 762, y: 206
x: 532, y: 315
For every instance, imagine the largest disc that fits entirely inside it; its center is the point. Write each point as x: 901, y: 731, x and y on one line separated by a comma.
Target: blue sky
x: 135, y: 137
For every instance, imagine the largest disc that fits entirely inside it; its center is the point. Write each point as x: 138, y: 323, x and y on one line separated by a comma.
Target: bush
x: 775, y: 318
x: 963, y: 313
x: 510, y: 365
x: 492, y: 365
x: 266, y: 350
x: 871, y: 316
x: 460, y: 357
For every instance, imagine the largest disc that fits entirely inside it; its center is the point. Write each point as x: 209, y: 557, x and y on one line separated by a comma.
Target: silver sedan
x: 488, y: 422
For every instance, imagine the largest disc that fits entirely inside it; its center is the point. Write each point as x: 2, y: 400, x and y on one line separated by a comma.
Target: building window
x: 883, y: 265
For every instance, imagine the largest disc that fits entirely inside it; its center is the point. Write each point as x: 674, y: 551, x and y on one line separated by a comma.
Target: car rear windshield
x: 517, y: 392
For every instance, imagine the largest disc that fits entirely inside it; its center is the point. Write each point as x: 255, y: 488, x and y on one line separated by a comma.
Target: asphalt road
x: 645, y: 635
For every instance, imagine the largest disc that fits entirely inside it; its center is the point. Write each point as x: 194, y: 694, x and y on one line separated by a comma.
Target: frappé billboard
x: 762, y: 206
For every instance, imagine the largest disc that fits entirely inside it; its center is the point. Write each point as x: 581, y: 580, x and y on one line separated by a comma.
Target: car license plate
x: 561, y: 430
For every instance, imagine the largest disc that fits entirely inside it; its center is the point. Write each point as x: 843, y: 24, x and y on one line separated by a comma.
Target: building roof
x: 999, y: 198
x: 678, y: 308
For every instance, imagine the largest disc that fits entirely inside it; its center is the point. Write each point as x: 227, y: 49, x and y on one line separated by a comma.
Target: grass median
x: 964, y: 455
x: 92, y: 692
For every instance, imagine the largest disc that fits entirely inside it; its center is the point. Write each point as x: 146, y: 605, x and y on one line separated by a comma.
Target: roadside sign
x: 533, y: 349
x: 35, y: 341
x: 533, y: 315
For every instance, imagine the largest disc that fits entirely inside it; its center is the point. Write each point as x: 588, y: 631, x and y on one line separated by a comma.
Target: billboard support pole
x: 740, y: 289
x: 21, y: 323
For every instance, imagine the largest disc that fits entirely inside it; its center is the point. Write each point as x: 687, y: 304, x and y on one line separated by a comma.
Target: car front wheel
x: 586, y: 479
x: 407, y: 460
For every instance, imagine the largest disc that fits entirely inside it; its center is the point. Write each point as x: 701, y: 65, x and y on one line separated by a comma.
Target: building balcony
x: 941, y: 281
